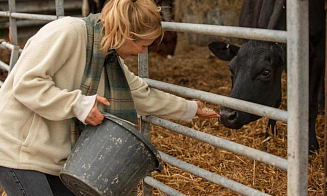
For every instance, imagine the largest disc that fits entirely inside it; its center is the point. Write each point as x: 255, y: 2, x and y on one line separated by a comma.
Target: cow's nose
x: 229, y: 118
x: 232, y: 116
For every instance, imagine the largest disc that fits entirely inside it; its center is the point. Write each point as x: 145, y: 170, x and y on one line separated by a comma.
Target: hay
x: 196, y: 68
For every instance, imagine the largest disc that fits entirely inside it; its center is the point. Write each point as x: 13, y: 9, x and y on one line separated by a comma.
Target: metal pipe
x: 145, y: 130
x: 162, y: 187
x: 12, y: 21
x: 60, y: 8
x: 25, y: 23
x: 143, y: 72
x: 237, y: 104
x: 13, y: 57
x: 29, y: 16
x: 225, y: 182
x: 45, y: 6
x: 4, y: 45
x: 228, y: 31
x: 297, y: 96
x: 221, y: 143
x: 7, y: 45
x: 143, y: 62
x: 239, y: 32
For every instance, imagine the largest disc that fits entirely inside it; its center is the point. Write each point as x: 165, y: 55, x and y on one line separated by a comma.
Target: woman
x: 73, y: 68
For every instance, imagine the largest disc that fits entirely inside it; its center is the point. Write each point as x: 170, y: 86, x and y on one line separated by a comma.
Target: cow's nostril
x: 232, y: 116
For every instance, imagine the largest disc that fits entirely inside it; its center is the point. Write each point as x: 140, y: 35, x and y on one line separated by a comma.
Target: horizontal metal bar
x: 162, y: 187
x: 228, y: 31
x: 9, y: 46
x: 29, y: 16
x: 241, y: 105
x: 41, y: 6
x: 217, y: 179
x: 221, y: 143
x: 4, y: 66
x: 25, y: 23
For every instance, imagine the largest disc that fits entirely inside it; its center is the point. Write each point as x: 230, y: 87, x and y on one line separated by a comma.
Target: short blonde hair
x: 130, y: 20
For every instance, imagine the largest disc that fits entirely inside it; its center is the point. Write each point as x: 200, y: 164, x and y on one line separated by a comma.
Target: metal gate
x: 296, y: 117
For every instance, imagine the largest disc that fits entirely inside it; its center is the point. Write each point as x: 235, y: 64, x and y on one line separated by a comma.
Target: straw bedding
x: 196, y: 68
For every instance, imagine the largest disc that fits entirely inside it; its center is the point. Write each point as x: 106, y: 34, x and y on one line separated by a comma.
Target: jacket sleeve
x: 43, y: 56
x: 150, y: 101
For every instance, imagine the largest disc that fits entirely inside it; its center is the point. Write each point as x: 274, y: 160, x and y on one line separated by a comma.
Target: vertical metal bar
x: 60, y: 8
x: 297, y: 96
x: 145, y: 129
x: 325, y: 129
x: 143, y: 62
x: 13, y: 57
x: 12, y: 22
x: 143, y: 72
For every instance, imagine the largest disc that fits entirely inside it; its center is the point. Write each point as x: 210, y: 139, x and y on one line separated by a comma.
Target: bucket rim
x: 133, y: 129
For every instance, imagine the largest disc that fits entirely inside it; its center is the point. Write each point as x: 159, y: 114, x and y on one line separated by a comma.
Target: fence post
x: 298, y: 96
x: 12, y: 22
x: 143, y: 72
x: 13, y: 57
x: 60, y: 8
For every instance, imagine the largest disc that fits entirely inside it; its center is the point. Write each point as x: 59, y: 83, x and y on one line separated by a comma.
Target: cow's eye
x: 265, y: 74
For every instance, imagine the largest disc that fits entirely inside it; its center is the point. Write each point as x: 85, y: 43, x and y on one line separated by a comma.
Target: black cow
x: 256, y: 67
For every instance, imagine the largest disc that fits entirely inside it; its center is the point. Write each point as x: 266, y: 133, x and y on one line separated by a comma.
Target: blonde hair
x: 130, y: 20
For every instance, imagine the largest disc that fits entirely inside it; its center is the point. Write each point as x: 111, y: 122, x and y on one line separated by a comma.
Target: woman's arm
x: 150, y: 101
x: 42, y: 58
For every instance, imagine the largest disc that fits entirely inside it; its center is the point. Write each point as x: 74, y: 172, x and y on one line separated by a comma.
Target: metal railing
x: 296, y: 117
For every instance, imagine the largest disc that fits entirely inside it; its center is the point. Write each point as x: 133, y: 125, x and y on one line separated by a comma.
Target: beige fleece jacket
x: 41, y: 95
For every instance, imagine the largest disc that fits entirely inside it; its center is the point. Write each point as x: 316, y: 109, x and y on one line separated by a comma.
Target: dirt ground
x: 195, y: 67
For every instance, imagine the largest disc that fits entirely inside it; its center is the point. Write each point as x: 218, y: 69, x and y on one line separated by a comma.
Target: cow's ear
x: 223, y: 51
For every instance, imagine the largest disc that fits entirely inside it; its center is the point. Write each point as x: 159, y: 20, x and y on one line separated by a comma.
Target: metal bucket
x: 109, y: 159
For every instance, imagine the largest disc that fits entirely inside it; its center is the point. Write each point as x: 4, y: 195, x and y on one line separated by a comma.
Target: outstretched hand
x: 95, y: 117
x: 204, y: 112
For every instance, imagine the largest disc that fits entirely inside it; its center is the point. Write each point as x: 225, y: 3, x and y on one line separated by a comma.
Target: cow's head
x: 256, y: 70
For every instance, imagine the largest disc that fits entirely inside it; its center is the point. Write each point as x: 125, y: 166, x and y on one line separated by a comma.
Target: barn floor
x: 195, y: 67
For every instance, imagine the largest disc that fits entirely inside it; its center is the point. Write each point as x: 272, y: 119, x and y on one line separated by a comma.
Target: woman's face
x: 133, y: 47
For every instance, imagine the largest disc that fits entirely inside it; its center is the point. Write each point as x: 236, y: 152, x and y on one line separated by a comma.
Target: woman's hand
x: 204, y: 112
x: 95, y: 117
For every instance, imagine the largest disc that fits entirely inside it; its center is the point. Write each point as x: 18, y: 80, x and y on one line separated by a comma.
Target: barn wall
x: 215, y: 12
